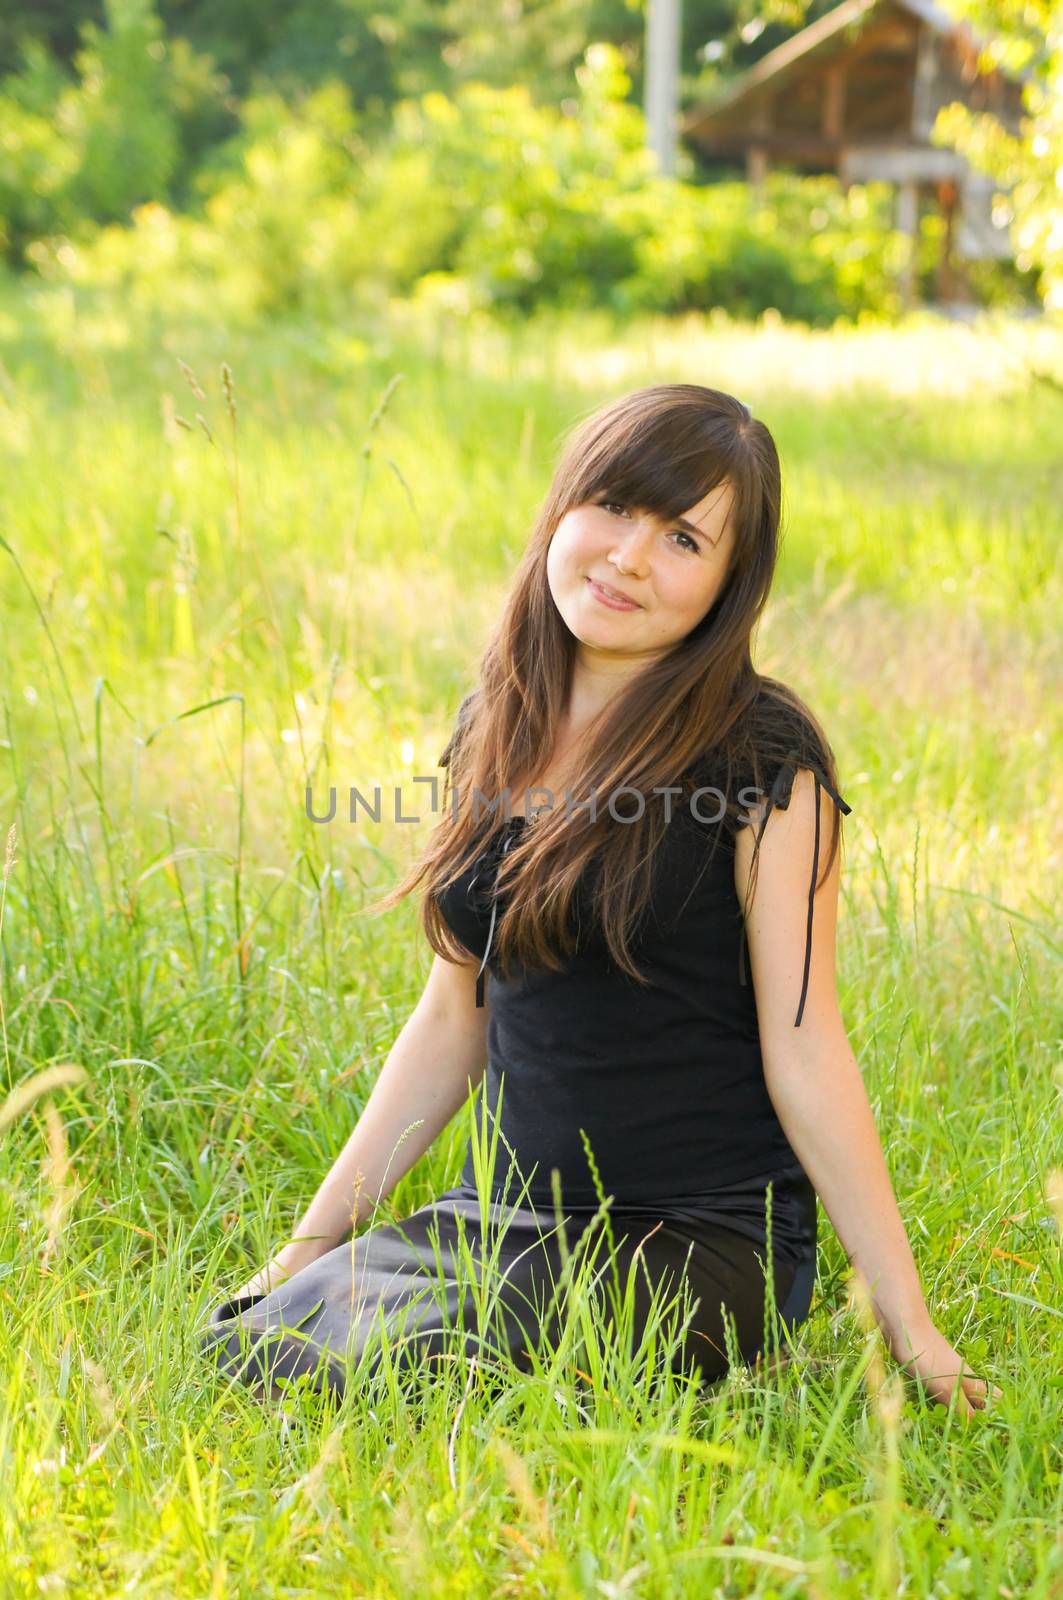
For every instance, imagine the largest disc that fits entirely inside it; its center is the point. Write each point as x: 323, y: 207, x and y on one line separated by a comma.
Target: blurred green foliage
x: 488, y: 200
x: 143, y: 173
x: 131, y: 127
x: 413, y: 46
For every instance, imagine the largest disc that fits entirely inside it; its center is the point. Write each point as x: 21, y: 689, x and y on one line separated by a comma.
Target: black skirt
x: 417, y: 1279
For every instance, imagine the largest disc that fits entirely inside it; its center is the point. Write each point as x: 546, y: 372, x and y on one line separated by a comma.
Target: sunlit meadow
x: 235, y: 565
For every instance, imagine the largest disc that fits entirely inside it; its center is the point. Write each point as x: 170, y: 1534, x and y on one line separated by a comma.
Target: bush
x: 118, y: 117
x: 37, y: 163
x: 77, y: 154
x: 278, y: 229
x: 488, y: 200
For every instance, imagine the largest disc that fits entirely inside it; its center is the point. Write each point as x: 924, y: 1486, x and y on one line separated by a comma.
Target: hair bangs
x: 673, y: 460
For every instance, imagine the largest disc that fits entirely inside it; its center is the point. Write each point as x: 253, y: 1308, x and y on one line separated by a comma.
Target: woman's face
x: 673, y: 570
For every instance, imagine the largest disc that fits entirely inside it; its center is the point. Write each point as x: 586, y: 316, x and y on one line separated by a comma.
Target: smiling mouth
x: 614, y: 594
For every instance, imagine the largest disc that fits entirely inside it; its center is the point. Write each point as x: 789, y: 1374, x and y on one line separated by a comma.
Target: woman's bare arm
x: 437, y: 1058
x: 810, y: 1071
x: 815, y: 1084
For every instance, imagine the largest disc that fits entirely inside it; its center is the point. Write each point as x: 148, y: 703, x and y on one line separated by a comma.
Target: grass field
x: 201, y: 614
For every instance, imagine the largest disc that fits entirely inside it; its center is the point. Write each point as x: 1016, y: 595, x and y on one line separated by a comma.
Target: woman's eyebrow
x: 685, y: 524
x: 691, y: 527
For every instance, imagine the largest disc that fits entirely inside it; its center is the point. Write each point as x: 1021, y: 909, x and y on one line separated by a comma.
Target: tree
x: 1023, y: 35
x: 120, y: 115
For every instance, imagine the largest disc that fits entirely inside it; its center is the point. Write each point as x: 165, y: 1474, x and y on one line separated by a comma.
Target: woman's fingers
x: 265, y: 1281
x: 947, y: 1376
x: 980, y: 1391
x: 974, y: 1393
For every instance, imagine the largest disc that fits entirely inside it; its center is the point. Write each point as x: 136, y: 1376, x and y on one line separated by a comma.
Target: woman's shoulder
x: 776, y: 737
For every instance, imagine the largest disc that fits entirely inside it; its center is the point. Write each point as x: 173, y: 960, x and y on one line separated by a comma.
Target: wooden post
x: 924, y: 111
x: 756, y: 165
x: 662, y: 80
x: 843, y: 168
x: 907, y: 222
x: 833, y: 103
x: 945, y: 285
x: 761, y: 122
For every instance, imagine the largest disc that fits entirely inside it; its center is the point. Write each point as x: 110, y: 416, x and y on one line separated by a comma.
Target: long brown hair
x: 661, y: 449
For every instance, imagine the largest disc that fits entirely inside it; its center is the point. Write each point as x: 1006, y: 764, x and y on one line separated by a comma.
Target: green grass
x: 175, y: 927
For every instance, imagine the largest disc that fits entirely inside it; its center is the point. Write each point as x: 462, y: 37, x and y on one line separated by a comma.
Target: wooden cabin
x: 856, y: 93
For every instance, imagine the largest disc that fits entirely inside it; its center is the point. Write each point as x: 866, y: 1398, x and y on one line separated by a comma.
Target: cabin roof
x: 820, y: 36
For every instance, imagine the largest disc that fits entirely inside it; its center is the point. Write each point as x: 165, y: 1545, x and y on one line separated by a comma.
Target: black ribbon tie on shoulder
x: 790, y: 768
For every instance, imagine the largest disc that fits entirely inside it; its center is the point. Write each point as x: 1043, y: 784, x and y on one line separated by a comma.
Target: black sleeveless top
x: 666, y: 1081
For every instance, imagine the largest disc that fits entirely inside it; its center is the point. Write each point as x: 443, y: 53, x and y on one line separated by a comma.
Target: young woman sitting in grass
x: 622, y: 895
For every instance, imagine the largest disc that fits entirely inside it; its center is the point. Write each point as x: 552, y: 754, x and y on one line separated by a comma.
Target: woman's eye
x: 679, y: 533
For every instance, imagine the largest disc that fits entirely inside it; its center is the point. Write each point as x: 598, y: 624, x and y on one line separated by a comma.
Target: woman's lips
x: 614, y: 602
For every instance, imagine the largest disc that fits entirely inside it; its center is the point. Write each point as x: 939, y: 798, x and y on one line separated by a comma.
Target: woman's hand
x: 289, y: 1260
x: 927, y: 1353
x: 266, y: 1279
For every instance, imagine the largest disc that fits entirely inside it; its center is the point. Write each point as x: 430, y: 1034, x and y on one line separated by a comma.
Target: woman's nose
x: 631, y: 552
